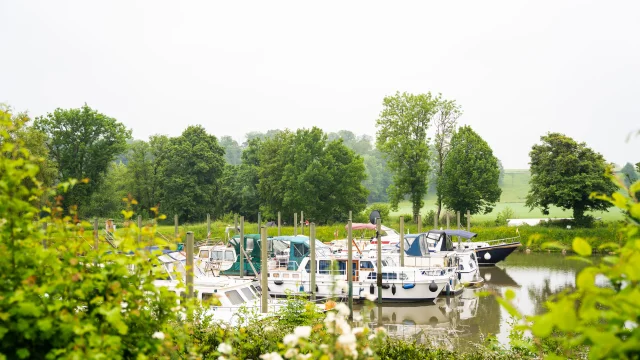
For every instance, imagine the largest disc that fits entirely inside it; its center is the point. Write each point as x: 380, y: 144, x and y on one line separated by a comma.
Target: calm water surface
x: 461, y: 321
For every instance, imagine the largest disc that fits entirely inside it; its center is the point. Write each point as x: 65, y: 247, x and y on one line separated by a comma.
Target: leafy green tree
x: 501, y: 178
x: 470, y: 175
x: 106, y: 201
x: 193, y: 167
x: 629, y: 174
x: 232, y: 150
x: 402, y: 138
x: 146, y: 161
x: 302, y: 172
x: 55, y: 303
x: 378, y: 177
x: 446, y: 118
x: 564, y: 173
x: 82, y: 142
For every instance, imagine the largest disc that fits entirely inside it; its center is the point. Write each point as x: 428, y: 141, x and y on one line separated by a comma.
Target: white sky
x: 519, y: 69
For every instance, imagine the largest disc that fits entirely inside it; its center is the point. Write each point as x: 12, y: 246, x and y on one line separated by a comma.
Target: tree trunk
x: 416, y: 209
x: 578, y: 215
x: 439, y: 203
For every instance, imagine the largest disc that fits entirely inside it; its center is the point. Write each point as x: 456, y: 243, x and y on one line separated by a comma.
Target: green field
x: 514, y: 191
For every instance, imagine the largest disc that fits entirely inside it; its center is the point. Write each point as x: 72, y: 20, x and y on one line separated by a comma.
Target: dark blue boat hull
x: 496, y: 253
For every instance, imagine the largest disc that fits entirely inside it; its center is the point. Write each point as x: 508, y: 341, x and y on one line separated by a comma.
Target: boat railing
x: 209, y: 242
x: 502, y: 241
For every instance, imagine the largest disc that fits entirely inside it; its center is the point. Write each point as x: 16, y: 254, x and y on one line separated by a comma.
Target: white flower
x: 343, y: 309
x: 342, y: 326
x: 269, y: 328
x: 290, y: 340
x: 271, y: 356
x: 358, y: 330
x: 347, y: 340
x: 331, y: 317
x: 342, y: 285
x: 225, y: 348
x: 357, y: 317
x: 158, y: 335
x: 303, y: 332
x: 324, y: 347
x: 381, y: 330
x: 367, y: 351
x: 371, y: 297
x: 303, y: 357
x: 291, y: 353
x: 222, y: 357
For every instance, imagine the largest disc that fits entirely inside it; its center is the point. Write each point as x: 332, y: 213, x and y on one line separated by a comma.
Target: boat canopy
x: 434, y: 241
x: 361, y: 226
x: 299, y: 248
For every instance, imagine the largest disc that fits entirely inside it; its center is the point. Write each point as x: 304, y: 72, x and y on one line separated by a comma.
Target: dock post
x: 189, y: 279
x: 458, y: 215
x: 208, y: 226
x: 419, y: 224
x: 447, y: 220
x: 401, y: 240
x: 379, y: 260
x: 259, y: 221
x: 312, y: 253
x: 241, y: 247
x: 139, y: 229
x: 279, y: 222
x: 350, y: 265
x: 295, y: 224
x: 468, y: 220
x: 302, y: 221
x: 176, y: 233
x: 96, y: 241
x: 263, y: 270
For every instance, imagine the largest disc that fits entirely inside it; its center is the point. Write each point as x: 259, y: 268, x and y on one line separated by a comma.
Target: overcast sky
x: 518, y: 68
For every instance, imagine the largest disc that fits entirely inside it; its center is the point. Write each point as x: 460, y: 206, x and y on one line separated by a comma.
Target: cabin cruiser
x: 491, y: 252
x: 398, y: 283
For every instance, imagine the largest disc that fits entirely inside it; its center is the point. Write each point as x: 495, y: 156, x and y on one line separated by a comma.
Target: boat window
x: 324, y: 266
x: 460, y: 267
x: 276, y: 275
x: 296, y: 276
x: 207, y: 296
x: 216, y: 255
x: 371, y: 276
x: 473, y: 257
x: 234, y: 297
x: 248, y: 293
x: 384, y: 263
x: 404, y: 276
x: 228, y: 256
x: 204, y: 254
x: 389, y: 276
x: 342, y: 268
x: 254, y: 289
x: 286, y: 276
x: 366, y: 265
x: 470, y: 264
x: 307, y: 267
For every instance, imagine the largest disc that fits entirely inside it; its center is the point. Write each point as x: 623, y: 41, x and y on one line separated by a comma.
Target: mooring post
x: 175, y: 224
x: 189, y: 264
x: 259, y: 221
x: 302, y: 221
x: 379, y: 260
x: 401, y: 240
x: 241, y: 247
x: 139, y: 229
x: 279, y: 222
x: 235, y: 224
x: 295, y: 224
x: 447, y: 220
x: 96, y: 241
x: 458, y: 216
x: 208, y: 226
x: 419, y: 223
x: 468, y: 220
x: 350, y: 265
x: 312, y: 251
x: 263, y: 270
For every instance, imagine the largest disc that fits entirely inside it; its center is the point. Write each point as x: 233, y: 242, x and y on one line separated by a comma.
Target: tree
x: 193, y: 167
x: 304, y: 172
x: 82, y: 142
x: 232, y: 151
x: 629, y: 174
x: 564, y: 173
x: 106, y: 201
x: 501, y: 178
x: 470, y: 175
x: 146, y: 161
x: 402, y: 138
x: 446, y: 119
x: 378, y: 177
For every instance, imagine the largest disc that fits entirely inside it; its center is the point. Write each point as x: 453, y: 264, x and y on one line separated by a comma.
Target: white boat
x: 398, y: 283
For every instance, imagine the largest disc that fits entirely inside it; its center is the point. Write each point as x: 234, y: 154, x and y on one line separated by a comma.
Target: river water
x: 457, y: 323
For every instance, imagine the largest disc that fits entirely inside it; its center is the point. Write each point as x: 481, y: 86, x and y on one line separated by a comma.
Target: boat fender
x: 301, y: 288
x: 459, y: 276
x: 433, y: 287
x: 371, y: 289
x: 487, y: 256
x: 393, y: 291
x: 408, y: 286
x: 385, y: 286
x: 278, y: 282
x: 317, y: 289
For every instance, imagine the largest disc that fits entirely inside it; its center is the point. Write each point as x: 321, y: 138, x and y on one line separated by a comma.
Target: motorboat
x: 491, y: 252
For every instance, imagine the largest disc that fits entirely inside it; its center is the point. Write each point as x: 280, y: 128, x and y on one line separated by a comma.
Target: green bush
x: 504, y: 215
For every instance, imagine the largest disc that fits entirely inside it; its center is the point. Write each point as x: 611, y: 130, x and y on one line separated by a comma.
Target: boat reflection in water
x: 441, y: 323
x: 453, y: 323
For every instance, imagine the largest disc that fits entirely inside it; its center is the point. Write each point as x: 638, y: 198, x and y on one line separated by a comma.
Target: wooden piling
x: 419, y: 223
x: 312, y: 250
x: 279, y: 224
x: 259, y: 222
x: 189, y: 279
x: 241, y: 247
x: 401, y: 240
x: 350, y: 265
x: 208, y: 226
x: 264, y: 284
x: 302, y: 221
x: 379, y: 260
x: 295, y: 224
x: 447, y: 220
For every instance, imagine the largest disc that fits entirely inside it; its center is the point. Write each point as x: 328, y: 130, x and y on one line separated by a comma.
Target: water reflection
x: 461, y: 321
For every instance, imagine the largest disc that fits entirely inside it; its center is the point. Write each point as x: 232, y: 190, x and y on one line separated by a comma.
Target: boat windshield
x: 216, y: 255
x: 228, y: 256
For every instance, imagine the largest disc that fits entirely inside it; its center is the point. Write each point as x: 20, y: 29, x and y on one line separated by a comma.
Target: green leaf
x: 609, y: 245
x: 578, y: 258
x: 23, y: 353
x: 510, y: 295
x: 581, y: 247
x: 586, y: 278
x: 542, y: 326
